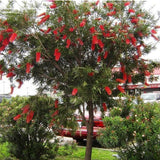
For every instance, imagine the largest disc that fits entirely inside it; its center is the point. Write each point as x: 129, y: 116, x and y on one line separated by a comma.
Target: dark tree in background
x: 74, y: 48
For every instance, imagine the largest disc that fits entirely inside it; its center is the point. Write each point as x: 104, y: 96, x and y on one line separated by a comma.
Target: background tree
x: 75, y: 47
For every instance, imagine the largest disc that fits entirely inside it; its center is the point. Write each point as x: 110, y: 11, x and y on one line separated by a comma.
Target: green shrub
x: 115, y: 132
x: 28, y: 140
x: 137, y: 135
x: 67, y: 149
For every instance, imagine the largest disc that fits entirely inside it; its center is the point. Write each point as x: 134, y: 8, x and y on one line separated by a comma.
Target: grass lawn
x: 68, y: 153
x: 79, y: 154
x: 4, y: 151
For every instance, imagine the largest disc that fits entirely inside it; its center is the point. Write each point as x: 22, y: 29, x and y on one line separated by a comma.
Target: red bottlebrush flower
x: 120, y: 89
x: 105, y: 55
x: 124, y: 76
x: 97, y: 19
x: 1, y: 74
x: 20, y: 83
x: 97, y: 2
x: 147, y: 73
x: 48, y: 30
x: 134, y: 20
x: 156, y: 38
x: 53, y: 5
x: 5, y: 42
x: 104, y: 106
x: 9, y: 52
x: 100, y: 50
x: 111, y: 13
x: 82, y: 24
x: 91, y: 74
x: 45, y: 18
x: 127, y: 3
x: 133, y: 41
x: 100, y: 43
x: 128, y: 117
x: 12, y: 89
x: 8, y: 30
x: 120, y: 80
x: 101, y: 27
x: 76, y: 17
x: 38, y: 56
x: 25, y: 109
x: 2, y: 48
x: 87, y: 13
x: 5, y: 23
x: 71, y: 29
x: 122, y: 68
x: 13, y: 37
x: 131, y: 35
x: 17, y: 117
x: 140, y: 34
x: 42, y: 14
x: 64, y: 37
x: 127, y: 41
x: 131, y: 11
x: 51, y: 123
x: 153, y: 31
x: 56, y: 103
x: 26, y: 18
x: 29, y: 116
x: 19, y: 65
x: 10, y: 74
x: 80, y: 42
x: 98, y: 59
x: 1, y: 37
x: 55, y: 88
x: 74, y: 91
x: 62, y: 28
x: 55, y: 113
x: 92, y: 30
x: 75, y: 11
x: 109, y: 5
x: 93, y: 47
x: 28, y: 67
x: 55, y: 32
x: 139, y: 51
x: 94, y: 40
x: 129, y: 79
x: 108, y: 90
x: 136, y: 57
x: 68, y: 43
x: 60, y: 19
x: 57, y: 54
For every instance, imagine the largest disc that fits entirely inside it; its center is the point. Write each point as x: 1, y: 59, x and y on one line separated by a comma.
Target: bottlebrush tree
x: 74, y: 48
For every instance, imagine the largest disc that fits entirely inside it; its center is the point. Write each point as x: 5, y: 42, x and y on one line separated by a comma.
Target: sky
x: 29, y: 89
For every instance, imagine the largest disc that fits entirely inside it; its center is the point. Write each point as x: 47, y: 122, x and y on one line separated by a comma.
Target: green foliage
x: 137, y: 134
x: 4, y: 153
x: 145, y: 129
x: 29, y: 141
x: 114, y: 134
x: 122, y: 106
x: 67, y: 149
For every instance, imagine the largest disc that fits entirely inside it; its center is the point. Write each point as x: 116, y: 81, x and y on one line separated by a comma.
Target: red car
x: 81, y: 132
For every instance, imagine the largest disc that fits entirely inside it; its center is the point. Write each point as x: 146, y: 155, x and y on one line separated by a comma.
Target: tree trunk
x: 89, y: 132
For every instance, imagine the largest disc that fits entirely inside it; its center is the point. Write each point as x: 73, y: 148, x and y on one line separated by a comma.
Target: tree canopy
x: 75, y: 47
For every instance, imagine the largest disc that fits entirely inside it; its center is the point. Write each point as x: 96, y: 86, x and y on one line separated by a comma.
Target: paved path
x: 64, y: 140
